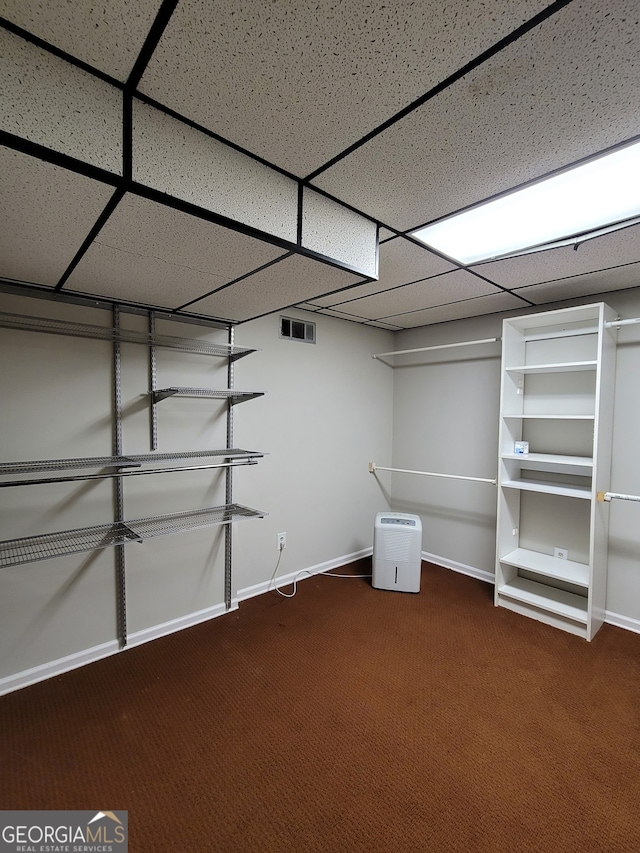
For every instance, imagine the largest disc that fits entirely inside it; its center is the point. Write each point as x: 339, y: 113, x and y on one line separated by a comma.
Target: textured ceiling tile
x: 297, y: 83
x: 448, y: 287
x: 353, y: 318
x: 292, y: 280
x: 349, y: 294
x: 401, y: 262
x: 337, y: 232
x: 107, y: 36
x: 47, y: 213
x: 177, y: 159
x: 48, y: 101
x: 150, y: 254
x: 618, y: 278
x: 610, y: 250
x: 565, y: 90
x: 458, y: 310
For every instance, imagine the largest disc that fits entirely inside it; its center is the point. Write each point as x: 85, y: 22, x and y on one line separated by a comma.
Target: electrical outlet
x: 560, y: 553
x: 281, y: 541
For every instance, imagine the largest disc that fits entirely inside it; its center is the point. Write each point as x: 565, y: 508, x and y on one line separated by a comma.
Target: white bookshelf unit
x: 558, y: 375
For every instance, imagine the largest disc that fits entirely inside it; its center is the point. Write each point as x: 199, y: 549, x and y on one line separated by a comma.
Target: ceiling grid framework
x: 233, y: 160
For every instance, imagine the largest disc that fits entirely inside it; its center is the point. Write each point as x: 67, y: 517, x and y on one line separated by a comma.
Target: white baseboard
x: 56, y: 667
x: 147, y: 634
x: 301, y: 574
x: 610, y: 618
x: 472, y: 571
x: 622, y: 621
x: 78, y: 659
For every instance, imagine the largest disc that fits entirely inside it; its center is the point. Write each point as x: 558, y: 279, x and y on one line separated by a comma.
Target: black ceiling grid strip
x: 503, y: 43
x: 61, y: 54
x: 288, y: 308
x: 127, y: 137
x: 57, y: 158
x: 111, y: 205
x: 235, y: 281
x: 300, y: 212
x: 388, y: 289
x: 154, y: 35
x: 499, y: 286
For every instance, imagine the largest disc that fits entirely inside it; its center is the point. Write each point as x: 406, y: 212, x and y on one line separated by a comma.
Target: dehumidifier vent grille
x: 397, y: 545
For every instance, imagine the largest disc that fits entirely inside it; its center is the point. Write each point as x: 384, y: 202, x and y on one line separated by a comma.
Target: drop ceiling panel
x: 618, y: 278
x: 191, y: 165
x: 449, y: 287
x: 52, y: 103
x: 296, y: 83
x: 47, y: 212
x: 401, y: 262
x: 610, y: 250
x: 458, y: 310
x: 553, y: 96
x: 341, y: 315
x: 335, y: 231
x: 106, y: 35
x: 292, y: 280
x: 151, y: 254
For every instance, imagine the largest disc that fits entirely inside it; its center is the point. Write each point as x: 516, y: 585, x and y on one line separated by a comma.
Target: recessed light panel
x: 568, y: 206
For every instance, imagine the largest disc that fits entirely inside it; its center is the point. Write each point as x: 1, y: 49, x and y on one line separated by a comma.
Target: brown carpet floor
x: 346, y: 719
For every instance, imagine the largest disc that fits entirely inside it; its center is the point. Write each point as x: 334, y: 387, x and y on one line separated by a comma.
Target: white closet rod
x: 609, y: 496
x: 440, y: 346
x: 610, y: 323
x: 373, y: 468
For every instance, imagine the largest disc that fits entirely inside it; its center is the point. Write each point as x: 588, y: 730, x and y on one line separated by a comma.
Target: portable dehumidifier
x: 397, y: 552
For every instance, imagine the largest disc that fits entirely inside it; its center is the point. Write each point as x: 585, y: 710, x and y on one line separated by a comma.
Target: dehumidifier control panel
x: 406, y: 522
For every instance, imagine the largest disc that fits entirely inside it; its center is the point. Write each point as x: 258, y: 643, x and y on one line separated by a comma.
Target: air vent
x: 297, y: 330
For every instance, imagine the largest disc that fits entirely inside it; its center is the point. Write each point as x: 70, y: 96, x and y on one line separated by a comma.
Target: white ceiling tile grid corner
x: 403, y: 112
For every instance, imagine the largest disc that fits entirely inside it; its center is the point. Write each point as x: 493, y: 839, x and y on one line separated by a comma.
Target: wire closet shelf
x: 15, y: 552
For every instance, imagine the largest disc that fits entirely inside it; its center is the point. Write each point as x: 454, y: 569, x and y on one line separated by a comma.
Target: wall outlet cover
x: 560, y: 553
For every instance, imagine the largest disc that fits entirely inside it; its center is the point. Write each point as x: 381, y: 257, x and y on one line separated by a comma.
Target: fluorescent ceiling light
x: 564, y: 208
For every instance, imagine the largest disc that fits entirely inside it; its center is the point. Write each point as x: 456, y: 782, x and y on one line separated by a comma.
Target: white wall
x: 325, y: 411
x: 446, y: 420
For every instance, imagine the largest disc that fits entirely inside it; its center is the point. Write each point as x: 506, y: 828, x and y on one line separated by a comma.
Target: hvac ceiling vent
x: 297, y: 330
